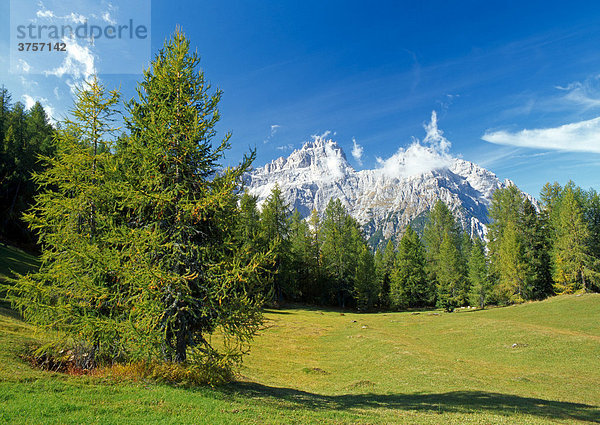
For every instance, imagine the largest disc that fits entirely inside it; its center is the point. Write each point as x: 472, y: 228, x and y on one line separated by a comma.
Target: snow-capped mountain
x: 384, y: 200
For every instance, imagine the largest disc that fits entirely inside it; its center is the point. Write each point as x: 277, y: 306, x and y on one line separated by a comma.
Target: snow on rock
x: 378, y: 199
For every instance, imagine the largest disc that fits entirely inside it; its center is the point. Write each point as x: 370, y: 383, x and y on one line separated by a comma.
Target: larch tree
x: 574, y: 267
x: 185, y: 274
x: 76, y: 290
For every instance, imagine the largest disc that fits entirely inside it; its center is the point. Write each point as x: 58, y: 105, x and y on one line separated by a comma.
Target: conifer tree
x: 184, y: 271
x: 366, y: 289
x: 384, y: 266
x: 249, y: 221
x: 314, y: 292
x: 449, y: 274
x: 445, y: 268
x: 300, y: 253
x: 478, y: 276
x: 592, y: 217
x: 518, y: 247
x: 536, y: 252
x: 409, y: 286
x: 24, y: 136
x: 275, y: 234
x: 77, y: 291
x: 575, y: 268
x: 342, y: 243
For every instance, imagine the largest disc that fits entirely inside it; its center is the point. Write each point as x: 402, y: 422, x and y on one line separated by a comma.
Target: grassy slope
x: 15, y: 260
x: 314, y: 366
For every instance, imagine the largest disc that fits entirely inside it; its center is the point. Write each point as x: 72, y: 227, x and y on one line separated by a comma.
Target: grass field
x: 534, y: 363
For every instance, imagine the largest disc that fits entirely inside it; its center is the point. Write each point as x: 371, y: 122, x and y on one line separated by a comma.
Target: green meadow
x: 533, y: 363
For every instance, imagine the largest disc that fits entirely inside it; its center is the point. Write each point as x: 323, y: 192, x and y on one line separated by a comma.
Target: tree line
x: 25, y: 134
x: 532, y: 252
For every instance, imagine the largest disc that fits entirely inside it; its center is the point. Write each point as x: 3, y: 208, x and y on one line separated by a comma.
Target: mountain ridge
x: 384, y: 199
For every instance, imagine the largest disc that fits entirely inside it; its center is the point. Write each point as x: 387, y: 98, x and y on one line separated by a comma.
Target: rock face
x: 383, y: 203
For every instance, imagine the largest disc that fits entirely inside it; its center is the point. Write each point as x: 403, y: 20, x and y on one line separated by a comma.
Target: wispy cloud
x: 274, y: 129
x: 583, y: 93
x: 109, y: 19
x: 288, y: 147
x: 79, y: 64
x: 582, y: 136
x: 357, y: 151
x: 28, y: 100
x: 23, y: 66
x: 419, y: 158
x: 45, y: 14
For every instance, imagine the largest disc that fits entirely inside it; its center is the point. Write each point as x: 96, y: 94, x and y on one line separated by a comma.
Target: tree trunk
x: 181, y: 347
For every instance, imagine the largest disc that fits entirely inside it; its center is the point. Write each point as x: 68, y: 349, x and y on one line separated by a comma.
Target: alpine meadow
x: 153, y: 272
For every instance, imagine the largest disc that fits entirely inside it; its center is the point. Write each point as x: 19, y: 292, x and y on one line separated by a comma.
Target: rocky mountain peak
x: 384, y: 200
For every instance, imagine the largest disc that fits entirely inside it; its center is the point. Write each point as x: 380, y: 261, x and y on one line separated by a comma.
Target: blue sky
x: 515, y: 85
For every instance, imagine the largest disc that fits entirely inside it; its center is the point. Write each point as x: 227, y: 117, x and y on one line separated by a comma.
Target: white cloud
x: 79, y: 63
x: 76, y: 18
x: 23, y: 66
x: 333, y: 157
x: 29, y: 101
x: 285, y: 147
x: 333, y: 161
x: 357, y: 151
x: 584, y: 93
x: 582, y: 136
x: 106, y: 16
x: 45, y: 14
x: 274, y: 129
x: 419, y: 158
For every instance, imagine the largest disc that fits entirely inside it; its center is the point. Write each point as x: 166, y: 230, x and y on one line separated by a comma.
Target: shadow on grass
x: 450, y: 402
x: 274, y: 311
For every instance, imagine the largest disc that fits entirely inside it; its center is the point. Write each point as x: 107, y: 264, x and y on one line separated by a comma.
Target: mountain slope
x: 384, y: 200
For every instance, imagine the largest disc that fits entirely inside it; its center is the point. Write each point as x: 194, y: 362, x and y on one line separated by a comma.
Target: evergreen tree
x: 409, y: 286
x: 384, y: 266
x: 511, y: 266
x: 466, y: 245
x: 24, y: 136
x: 519, y: 246
x: 314, y: 291
x: 592, y: 217
x: 5, y: 106
x: 536, y: 252
x: 478, y: 276
x: 342, y: 243
x: 183, y: 268
x: 445, y: 269
x: 366, y: 289
x: 275, y: 233
x: 77, y: 290
x: 574, y: 268
x: 449, y: 274
x: 249, y: 221
x: 300, y: 253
